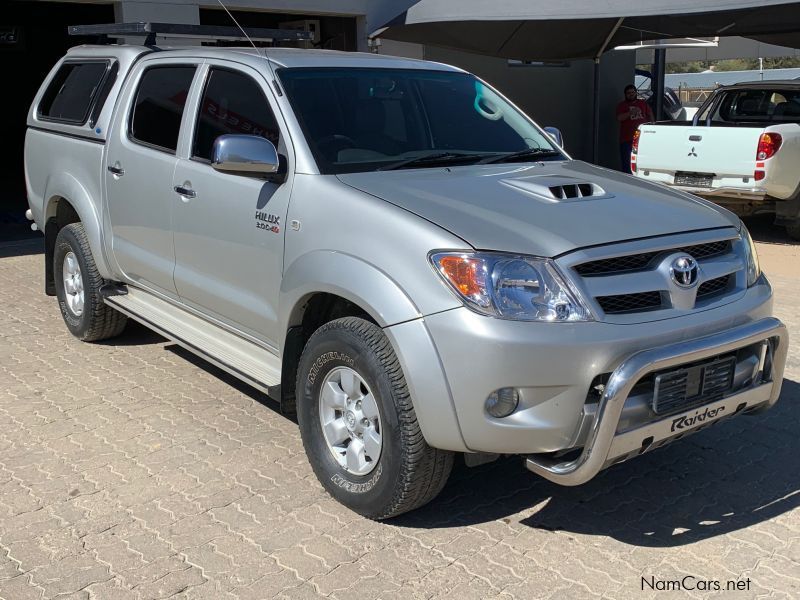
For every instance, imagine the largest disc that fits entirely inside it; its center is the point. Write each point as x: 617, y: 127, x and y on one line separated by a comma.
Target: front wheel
x: 358, y: 425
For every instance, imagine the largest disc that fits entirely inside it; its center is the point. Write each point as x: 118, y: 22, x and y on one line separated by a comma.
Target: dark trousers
x: 625, y: 156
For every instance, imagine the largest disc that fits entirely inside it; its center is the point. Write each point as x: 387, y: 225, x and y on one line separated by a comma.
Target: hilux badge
x: 684, y: 271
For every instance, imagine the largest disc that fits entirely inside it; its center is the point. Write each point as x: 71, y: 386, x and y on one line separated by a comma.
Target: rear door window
x: 73, y: 91
x: 155, y: 120
x: 232, y: 103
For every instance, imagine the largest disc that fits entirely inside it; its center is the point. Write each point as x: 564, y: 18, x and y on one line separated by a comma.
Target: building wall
x: 558, y: 96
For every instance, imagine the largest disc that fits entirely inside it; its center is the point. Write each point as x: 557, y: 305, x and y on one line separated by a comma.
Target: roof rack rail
x: 201, y: 32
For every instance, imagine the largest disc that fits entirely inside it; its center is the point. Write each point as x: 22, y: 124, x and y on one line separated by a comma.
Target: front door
x: 140, y: 164
x: 229, y: 229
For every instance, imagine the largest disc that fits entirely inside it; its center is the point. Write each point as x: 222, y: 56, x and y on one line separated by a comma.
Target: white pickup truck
x: 741, y: 150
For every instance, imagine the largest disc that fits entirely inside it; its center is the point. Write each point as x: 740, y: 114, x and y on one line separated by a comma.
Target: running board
x: 241, y: 358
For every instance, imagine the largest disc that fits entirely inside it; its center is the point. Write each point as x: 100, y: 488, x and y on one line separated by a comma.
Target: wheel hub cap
x: 350, y: 420
x: 73, y: 284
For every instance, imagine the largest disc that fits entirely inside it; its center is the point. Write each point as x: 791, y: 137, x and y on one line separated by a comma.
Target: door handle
x: 184, y: 191
x: 118, y: 171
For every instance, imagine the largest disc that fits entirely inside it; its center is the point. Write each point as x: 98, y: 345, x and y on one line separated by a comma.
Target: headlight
x: 753, y: 268
x: 521, y: 288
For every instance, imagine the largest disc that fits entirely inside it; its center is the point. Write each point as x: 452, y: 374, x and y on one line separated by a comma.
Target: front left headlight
x: 751, y: 255
x: 522, y: 288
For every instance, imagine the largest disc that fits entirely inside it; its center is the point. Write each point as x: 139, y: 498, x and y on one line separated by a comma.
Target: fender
x: 66, y: 186
x: 347, y: 276
x: 386, y: 302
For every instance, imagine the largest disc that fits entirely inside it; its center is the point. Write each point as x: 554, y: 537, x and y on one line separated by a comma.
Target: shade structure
x: 574, y: 29
x: 578, y: 29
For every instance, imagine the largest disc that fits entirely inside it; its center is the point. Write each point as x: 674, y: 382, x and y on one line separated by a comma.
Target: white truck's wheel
x: 358, y: 425
x: 78, y: 288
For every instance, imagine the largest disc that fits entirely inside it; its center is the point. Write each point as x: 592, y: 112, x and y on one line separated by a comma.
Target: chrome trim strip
x: 600, y: 441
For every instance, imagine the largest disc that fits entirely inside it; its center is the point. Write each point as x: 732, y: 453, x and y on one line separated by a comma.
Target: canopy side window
x: 75, y: 91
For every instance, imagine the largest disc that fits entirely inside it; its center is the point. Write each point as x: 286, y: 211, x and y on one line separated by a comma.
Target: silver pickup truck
x: 393, y: 250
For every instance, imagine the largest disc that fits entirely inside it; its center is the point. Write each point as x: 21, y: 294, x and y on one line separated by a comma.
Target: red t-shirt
x: 628, y: 126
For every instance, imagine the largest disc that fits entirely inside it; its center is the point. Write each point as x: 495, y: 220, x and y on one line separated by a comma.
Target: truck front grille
x: 625, y: 303
x: 640, y: 262
x: 634, y: 282
x: 714, y: 287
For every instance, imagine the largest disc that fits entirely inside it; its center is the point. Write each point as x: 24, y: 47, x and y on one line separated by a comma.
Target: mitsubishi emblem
x: 692, y: 152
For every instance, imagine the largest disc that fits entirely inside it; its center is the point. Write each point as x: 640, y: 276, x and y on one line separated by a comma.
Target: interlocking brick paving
x: 132, y: 470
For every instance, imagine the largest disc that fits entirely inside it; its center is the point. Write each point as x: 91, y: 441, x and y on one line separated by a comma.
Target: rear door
x: 229, y: 229
x: 140, y: 164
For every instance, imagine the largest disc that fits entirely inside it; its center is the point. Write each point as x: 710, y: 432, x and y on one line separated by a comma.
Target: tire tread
x: 104, y: 321
x: 425, y: 470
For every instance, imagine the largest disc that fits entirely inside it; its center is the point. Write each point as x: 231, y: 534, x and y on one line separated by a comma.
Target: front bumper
x: 552, y: 365
x: 605, y: 446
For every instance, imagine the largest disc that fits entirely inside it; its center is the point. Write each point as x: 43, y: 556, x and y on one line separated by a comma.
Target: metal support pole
x: 596, y: 112
x: 657, y: 82
x: 596, y: 91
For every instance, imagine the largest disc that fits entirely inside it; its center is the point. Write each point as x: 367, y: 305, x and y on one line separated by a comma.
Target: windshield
x: 358, y: 119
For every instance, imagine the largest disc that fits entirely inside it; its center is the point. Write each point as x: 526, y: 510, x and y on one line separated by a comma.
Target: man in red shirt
x: 631, y: 113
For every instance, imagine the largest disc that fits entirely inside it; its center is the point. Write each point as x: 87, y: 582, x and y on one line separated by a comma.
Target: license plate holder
x: 701, y: 180
x: 689, y: 386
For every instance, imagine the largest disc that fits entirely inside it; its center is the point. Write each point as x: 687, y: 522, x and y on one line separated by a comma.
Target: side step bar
x: 241, y: 358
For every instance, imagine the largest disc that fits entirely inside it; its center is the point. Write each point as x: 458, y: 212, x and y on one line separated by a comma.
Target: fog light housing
x: 502, y: 402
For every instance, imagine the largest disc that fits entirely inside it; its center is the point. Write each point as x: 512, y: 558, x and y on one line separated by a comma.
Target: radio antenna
x: 269, y: 63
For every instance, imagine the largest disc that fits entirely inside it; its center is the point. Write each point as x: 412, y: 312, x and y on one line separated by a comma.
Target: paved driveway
x: 130, y: 469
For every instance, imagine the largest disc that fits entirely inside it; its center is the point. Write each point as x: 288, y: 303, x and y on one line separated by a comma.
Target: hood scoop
x: 556, y: 189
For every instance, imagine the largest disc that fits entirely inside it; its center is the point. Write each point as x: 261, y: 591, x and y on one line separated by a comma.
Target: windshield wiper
x: 438, y: 157
x: 526, y: 153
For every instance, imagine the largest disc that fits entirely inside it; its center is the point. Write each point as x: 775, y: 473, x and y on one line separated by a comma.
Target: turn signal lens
x: 768, y: 145
x: 466, y: 274
x: 635, y: 145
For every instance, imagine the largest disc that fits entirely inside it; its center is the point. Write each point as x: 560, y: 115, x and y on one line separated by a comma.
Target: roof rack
x: 201, y: 32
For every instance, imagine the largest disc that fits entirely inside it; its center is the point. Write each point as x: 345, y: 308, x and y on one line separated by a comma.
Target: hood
x: 542, y: 209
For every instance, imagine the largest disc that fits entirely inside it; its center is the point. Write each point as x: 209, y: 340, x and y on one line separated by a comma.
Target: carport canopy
x: 574, y: 29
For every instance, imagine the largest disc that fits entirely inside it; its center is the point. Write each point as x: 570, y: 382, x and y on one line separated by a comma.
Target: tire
x: 407, y: 472
x: 793, y: 229
x: 91, y: 319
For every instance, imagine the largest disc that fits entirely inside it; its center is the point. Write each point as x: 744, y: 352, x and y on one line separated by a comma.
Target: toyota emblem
x: 684, y: 271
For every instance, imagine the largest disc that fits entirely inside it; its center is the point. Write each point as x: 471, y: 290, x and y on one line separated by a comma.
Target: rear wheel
x: 78, y: 288
x: 358, y: 425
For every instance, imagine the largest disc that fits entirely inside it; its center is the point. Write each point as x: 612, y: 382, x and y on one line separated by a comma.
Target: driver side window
x: 232, y: 103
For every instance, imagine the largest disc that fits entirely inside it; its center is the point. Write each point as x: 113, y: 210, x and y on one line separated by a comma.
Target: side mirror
x: 555, y: 133
x: 245, y: 155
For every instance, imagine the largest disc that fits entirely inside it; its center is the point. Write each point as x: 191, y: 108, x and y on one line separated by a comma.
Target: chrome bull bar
x: 604, y: 446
